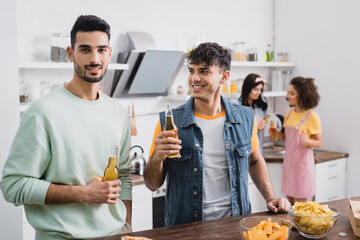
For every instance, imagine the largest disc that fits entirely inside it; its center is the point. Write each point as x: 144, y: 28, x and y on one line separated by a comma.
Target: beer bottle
x: 170, y: 126
x: 273, y: 130
x: 111, y: 172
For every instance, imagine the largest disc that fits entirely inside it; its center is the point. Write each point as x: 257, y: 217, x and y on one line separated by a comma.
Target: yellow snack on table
x: 311, y: 219
x: 267, y: 230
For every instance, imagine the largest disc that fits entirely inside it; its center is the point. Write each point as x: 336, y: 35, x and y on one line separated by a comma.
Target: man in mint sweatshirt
x: 62, y: 147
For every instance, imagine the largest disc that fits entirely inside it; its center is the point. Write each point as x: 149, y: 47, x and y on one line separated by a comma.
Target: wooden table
x: 227, y: 228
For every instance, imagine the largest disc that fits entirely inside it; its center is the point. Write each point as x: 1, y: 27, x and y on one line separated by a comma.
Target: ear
x: 224, y: 77
x: 70, y: 53
x: 110, y: 52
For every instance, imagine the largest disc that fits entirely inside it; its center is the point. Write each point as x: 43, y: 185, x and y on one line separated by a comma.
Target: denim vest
x: 184, y: 175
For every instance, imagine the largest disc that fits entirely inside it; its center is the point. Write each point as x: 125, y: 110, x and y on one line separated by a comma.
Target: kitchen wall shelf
x: 228, y: 96
x: 263, y: 64
x: 64, y: 65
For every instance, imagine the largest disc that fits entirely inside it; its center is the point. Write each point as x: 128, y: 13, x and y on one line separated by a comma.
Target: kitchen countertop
x: 276, y: 155
x: 273, y: 155
x: 227, y: 228
x: 137, y: 179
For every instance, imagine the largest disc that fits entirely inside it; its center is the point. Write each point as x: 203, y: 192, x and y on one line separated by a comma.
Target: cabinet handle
x: 333, y: 177
x: 332, y: 198
x: 333, y: 165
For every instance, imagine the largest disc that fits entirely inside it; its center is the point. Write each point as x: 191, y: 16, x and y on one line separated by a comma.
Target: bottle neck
x: 112, y: 161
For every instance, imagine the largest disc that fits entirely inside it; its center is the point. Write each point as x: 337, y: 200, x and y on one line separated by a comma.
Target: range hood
x: 150, y: 73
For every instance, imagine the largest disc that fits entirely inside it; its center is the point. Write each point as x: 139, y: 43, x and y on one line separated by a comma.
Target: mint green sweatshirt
x: 64, y: 139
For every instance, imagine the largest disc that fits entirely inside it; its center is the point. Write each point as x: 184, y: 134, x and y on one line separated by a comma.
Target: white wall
x: 323, y: 38
x: 173, y: 24
x: 10, y: 216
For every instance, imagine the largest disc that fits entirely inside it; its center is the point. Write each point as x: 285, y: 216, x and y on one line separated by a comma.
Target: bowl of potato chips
x: 313, y: 220
x: 264, y: 228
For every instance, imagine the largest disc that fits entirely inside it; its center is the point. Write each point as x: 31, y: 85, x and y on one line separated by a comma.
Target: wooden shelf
x: 64, y: 65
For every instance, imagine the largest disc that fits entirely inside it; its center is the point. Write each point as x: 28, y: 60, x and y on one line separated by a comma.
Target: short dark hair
x: 88, y: 23
x: 248, y: 84
x: 211, y: 54
x: 308, y: 97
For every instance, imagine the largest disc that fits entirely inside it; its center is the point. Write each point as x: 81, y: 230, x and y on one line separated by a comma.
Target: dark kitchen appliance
x: 159, y: 207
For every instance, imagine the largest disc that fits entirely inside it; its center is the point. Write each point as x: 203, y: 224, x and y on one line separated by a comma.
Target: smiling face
x: 205, y: 81
x: 91, y: 55
x: 292, y: 96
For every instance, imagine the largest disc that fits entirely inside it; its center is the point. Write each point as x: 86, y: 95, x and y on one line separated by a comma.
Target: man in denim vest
x: 218, y: 145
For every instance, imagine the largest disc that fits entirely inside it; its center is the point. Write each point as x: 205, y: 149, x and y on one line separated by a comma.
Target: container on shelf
x: 44, y: 88
x: 59, y: 43
x: 240, y: 82
x: 269, y: 54
x: 233, y: 86
x: 225, y: 89
x: 239, y: 51
x: 282, y: 57
x: 286, y: 76
x: 276, y: 80
x: 252, y: 55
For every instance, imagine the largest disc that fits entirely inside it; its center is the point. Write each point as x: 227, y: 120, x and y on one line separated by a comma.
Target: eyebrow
x: 88, y: 46
x: 204, y: 68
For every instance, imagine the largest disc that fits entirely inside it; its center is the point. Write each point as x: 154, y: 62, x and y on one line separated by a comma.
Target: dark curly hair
x: 308, y: 97
x: 88, y: 23
x: 248, y: 85
x: 211, y: 54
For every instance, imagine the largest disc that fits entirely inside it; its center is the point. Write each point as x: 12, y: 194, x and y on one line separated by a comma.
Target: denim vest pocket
x: 242, y: 153
x: 179, y: 168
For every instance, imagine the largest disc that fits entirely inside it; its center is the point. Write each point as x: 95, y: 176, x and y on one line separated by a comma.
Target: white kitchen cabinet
x: 258, y: 203
x: 331, y: 180
x: 141, y: 208
x: 275, y: 172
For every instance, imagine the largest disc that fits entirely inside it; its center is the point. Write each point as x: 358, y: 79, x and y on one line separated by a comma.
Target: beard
x: 81, y: 72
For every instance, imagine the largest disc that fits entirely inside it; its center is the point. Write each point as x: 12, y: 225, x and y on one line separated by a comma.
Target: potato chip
x: 267, y: 230
x: 312, y: 219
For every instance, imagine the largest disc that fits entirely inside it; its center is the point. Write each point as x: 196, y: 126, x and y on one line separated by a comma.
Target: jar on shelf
x: 252, y: 55
x: 286, y: 75
x: 239, y: 49
x: 233, y: 86
x: 59, y: 43
x: 269, y: 54
x: 225, y: 88
x: 282, y: 57
x: 276, y: 80
x: 44, y: 88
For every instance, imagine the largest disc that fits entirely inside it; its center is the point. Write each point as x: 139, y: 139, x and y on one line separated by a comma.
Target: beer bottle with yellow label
x: 170, y: 126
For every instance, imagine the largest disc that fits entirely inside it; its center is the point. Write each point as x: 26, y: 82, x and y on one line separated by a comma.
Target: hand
x: 304, y: 138
x: 165, y: 144
x: 261, y: 123
x: 278, y: 205
x: 98, y: 191
x: 273, y: 131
